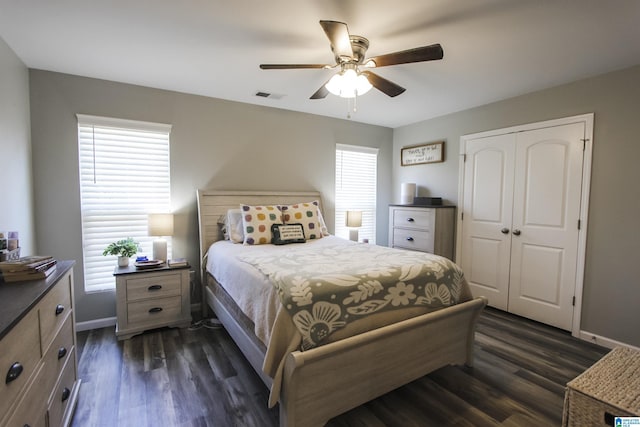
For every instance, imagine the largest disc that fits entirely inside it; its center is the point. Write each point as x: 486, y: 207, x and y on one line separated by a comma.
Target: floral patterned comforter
x: 325, y: 288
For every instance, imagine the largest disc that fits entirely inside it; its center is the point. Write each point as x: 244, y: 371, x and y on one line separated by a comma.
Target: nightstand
x: 151, y: 298
x: 422, y: 228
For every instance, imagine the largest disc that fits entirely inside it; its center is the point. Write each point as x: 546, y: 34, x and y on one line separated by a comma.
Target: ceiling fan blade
x: 418, y: 54
x: 383, y: 85
x: 338, y: 35
x: 320, y: 93
x: 291, y: 66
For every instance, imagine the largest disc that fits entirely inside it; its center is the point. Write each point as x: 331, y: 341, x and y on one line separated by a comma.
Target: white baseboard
x: 603, y: 341
x: 95, y: 324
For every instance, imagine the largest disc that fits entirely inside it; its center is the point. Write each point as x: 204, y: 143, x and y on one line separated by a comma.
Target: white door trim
x: 587, y: 119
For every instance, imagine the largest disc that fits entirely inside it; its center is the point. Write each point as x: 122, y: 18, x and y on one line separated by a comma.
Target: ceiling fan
x: 349, y: 51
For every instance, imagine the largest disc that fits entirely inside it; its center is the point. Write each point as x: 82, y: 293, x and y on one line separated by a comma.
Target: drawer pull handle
x: 154, y: 287
x: 62, y: 352
x: 65, y: 394
x: 14, y: 372
x: 59, y: 309
x: 155, y: 310
x: 409, y: 239
x: 410, y: 219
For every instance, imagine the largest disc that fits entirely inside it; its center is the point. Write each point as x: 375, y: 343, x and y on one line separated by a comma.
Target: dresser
x: 149, y: 299
x: 38, y: 351
x: 422, y: 228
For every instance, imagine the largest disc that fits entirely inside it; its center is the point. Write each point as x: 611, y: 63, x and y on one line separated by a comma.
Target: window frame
x: 142, y: 151
x: 356, y: 201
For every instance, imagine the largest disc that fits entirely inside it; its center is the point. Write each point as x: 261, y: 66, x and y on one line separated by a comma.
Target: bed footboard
x: 321, y: 383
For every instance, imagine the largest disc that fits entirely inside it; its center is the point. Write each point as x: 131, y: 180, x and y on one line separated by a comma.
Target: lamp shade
x: 407, y: 193
x: 160, y: 224
x: 353, y: 219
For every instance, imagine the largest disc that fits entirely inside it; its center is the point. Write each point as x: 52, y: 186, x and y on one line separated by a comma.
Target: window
x: 356, y: 184
x: 124, y: 176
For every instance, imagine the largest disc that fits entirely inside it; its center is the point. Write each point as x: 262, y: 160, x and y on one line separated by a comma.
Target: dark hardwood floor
x: 181, y: 377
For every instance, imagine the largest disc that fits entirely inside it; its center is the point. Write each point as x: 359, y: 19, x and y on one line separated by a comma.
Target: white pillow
x: 235, y: 229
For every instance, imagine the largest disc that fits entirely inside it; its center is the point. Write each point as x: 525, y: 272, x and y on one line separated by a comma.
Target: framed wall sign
x: 432, y: 152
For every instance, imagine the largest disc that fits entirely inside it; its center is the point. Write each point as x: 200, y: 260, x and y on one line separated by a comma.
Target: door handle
x: 516, y: 232
x: 505, y: 231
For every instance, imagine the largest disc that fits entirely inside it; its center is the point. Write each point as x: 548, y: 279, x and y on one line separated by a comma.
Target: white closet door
x: 546, y: 209
x: 488, y: 200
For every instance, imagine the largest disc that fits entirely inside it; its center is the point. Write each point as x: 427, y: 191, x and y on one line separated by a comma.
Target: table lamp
x: 160, y: 225
x: 353, y: 220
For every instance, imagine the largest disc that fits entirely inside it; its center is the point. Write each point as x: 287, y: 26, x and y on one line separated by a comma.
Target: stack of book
x: 34, y: 267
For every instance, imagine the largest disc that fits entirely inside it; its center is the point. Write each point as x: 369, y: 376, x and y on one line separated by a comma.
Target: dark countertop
x: 131, y: 268
x: 17, y: 298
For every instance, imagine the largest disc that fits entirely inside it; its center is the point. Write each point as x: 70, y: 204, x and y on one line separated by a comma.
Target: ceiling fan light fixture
x: 348, y: 84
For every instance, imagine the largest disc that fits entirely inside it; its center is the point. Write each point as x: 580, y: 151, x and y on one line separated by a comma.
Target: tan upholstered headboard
x: 214, y: 203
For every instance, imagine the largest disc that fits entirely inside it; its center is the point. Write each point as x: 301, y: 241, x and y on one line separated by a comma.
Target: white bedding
x: 252, y: 288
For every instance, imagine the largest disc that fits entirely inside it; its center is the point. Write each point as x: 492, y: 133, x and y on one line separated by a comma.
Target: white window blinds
x: 124, y: 176
x: 356, y: 187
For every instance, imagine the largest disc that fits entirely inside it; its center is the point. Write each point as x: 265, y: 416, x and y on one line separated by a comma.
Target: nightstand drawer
x: 155, y: 310
x: 418, y: 218
x: 153, y: 286
x: 413, y: 239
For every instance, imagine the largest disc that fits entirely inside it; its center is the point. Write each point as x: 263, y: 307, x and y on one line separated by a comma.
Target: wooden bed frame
x: 346, y: 373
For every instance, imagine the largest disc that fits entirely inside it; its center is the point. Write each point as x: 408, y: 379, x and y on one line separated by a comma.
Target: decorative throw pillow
x: 305, y: 214
x: 287, y: 233
x: 234, y: 226
x: 257, y: 221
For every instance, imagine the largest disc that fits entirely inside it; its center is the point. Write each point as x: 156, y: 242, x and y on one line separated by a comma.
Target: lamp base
x: 160, y: 250
x: 353, y: 234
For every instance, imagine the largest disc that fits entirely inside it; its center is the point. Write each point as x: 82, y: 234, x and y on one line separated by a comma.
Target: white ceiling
x: 494, y: 49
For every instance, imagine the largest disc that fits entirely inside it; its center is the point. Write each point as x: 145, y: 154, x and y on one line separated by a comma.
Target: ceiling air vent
x: 269, y: 95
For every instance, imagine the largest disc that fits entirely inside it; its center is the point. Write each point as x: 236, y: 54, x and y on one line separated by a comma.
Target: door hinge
x: 461, y: 216
x: 573, y: 302
x: 579, y: 224
x: 464, y: 157
x: 584, y: 143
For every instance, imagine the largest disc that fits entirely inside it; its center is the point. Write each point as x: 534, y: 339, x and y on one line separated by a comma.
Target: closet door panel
x: 546, y: 209
x: 488, y: 199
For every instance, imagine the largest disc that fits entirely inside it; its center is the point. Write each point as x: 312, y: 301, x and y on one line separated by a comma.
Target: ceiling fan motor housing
x: 359, y: 46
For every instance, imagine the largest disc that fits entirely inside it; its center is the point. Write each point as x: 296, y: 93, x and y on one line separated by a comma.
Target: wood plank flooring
x: 181, y: 377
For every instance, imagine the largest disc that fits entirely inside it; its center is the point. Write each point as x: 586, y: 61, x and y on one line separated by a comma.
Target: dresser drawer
x: 153, y: 285
x: 62, y: 393
x: 54, y: 309
x: 19, y: 358
x: 58, y: 354
x: 419, y: 218
x: 32, y: 408
x: 154, y: 310
x: 413, y: 239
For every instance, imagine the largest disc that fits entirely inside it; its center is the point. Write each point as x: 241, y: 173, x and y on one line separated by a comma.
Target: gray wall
x: 16, y: 206
x: 612, y: 285
x: 215, y: 144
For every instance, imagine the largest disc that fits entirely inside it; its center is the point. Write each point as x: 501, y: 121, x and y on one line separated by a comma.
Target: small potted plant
x: 124, y: 249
